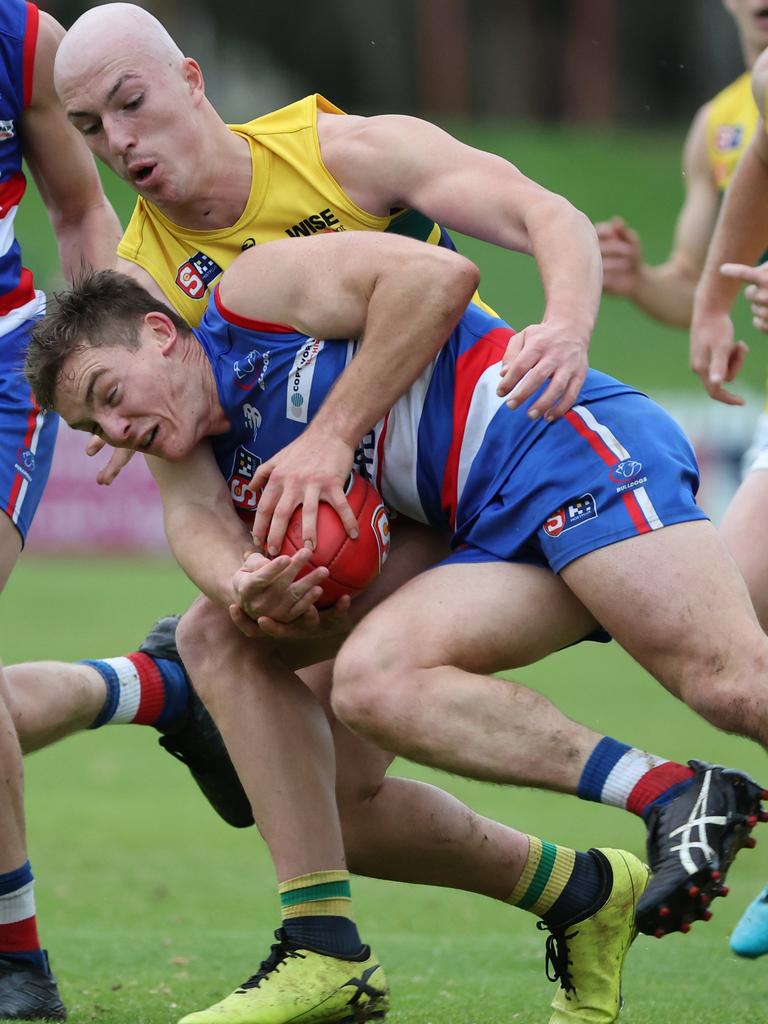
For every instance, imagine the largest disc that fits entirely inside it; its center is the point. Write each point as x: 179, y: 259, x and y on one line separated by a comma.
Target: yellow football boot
x: 301, y: 986
x: 587, y: 957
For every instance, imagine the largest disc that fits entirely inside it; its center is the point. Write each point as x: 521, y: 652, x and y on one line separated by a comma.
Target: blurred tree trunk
x: 442, y: 57
x: 590, y: 61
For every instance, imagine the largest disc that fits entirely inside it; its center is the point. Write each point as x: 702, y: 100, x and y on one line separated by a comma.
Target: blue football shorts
x: 612, y: 468
x: 27, y: 434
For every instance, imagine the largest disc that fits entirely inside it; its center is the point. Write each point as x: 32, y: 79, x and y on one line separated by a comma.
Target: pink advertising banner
x: 78, y: 515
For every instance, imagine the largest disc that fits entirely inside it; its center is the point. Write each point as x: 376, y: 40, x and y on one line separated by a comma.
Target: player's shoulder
x: 49, y: 34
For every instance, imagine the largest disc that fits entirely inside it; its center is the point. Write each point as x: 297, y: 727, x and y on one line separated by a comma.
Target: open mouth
x: 148, y: 439
x: 142, y: 174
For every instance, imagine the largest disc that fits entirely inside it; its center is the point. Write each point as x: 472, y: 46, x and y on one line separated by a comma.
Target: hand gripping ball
x: 353, y: 564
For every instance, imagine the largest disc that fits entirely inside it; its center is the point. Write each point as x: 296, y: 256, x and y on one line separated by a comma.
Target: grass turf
x: 151, y: 907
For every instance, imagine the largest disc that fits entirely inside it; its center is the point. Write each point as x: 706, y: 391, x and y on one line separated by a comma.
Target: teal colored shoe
x: 750, y: 936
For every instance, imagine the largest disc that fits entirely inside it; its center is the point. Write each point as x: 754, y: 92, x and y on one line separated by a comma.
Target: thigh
x: 27, y: 436
x: 743, y: 530
x: 10, y: 548
x: 674, y: 598
x: 483, y: 617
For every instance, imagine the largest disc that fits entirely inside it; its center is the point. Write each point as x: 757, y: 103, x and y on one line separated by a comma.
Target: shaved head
x: 109, y: 29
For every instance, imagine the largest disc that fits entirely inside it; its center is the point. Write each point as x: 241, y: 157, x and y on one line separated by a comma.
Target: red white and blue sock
x: 141, y: 690
x: 624, y: 776
x: 18, y: 923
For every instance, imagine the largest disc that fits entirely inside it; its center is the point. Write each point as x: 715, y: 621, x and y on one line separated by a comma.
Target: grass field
x: 150, y: 906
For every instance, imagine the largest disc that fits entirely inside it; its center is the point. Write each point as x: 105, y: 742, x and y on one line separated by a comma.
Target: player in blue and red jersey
x: 594, y: 497
x: 32, y: 127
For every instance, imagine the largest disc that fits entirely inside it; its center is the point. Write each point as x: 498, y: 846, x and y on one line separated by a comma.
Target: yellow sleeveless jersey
x: 292, y: 194
x: 731, y: 123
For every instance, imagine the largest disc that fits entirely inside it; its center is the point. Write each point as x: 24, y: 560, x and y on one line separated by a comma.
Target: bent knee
x: 369, y: 689
x: 203, y: 636
x: 734, y: 705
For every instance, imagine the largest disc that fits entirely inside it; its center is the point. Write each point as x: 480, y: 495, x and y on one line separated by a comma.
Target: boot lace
x: 557, y: 962
x: 279, y: 952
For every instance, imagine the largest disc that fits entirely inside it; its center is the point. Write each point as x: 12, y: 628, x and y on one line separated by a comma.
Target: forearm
x: 666, y: 294
x: 564, y: 244
x: 410, y: 314
x: 741, y: 234
x: 209, y: 547
x: 90, y: 241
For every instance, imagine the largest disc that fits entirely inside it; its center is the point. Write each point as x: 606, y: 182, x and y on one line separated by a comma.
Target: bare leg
x: 415, y: 681
x: 52, y: 699
x: 410, y: 831
x: 13, y: 850
x: 392, y: 828
x: 684, y: 613
x: 744, y: 521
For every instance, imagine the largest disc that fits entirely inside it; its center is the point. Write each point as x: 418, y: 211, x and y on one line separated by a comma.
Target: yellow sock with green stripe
x: 317, y: 913
x: 560, y: 885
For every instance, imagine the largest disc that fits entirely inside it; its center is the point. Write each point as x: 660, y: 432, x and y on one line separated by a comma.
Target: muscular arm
x: 401, y: 298
x: 665, y: 291
x: 740, y: 237
x: 394, y: 161
x: 86, y: 227
x: 206, y: 535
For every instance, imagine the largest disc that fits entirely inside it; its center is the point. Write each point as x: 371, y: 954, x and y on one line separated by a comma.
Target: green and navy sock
x: 560, y: 885
x: 316, y: 912
x: 624, y: 776
x: 18, y: 922
x: 141, y: 690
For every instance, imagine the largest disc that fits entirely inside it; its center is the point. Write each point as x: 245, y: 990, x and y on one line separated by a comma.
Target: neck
x: 750, y: 51
x: 215, y: 419
x: 220, y: 193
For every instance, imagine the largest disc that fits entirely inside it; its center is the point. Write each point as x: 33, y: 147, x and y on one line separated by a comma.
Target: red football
x: 353, y: 563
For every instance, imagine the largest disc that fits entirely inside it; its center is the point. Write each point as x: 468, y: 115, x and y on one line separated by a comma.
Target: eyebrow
x: 80, y: 424
x: 91, y: 384
x: 110, y: 95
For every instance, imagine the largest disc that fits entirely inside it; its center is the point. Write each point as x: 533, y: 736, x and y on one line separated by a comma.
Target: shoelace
x: 279, y: 952
x: 557, y: 963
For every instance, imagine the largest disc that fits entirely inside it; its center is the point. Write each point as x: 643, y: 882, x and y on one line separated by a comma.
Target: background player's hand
x: 119, y: 458
x: 553, y: 352
x: 311, y: 469
x: 756, y: 292
x: 269, y: 587
x: 622, y: 256
x: 715, y: 356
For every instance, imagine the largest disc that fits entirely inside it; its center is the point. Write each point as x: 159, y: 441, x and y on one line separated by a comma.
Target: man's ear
x: 193, y: 76
x: 163, y: 330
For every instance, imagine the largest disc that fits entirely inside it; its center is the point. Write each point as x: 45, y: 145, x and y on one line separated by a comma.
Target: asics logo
x: 362, y: 987
x: 693, y: 833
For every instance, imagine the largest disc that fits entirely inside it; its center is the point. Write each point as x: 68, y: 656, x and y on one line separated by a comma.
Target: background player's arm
x: 85, y: 225
x: 400, y: 297
x: 665, y: 291
x: 394, y: 161
x: 739, y: 238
